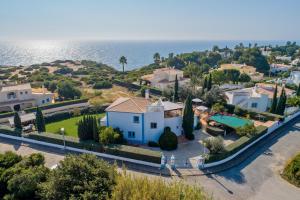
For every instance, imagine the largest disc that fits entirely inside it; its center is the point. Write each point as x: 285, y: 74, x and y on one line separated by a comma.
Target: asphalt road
x: 258, y: 177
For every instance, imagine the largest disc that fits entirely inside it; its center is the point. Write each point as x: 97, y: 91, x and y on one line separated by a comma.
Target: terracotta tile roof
x: 268, y: 89
x: 131, y: 105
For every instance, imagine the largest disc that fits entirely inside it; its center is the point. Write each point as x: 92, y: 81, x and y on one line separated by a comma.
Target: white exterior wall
x: 175, y: 123
x: 41, y: 98
x: 153, y: 134
x: 19, y: 96
x: 124, y: 121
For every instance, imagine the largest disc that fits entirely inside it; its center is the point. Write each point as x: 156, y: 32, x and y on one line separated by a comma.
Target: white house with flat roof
x: 294, y: 78
x: 18, y: 97
x: 141, y: 120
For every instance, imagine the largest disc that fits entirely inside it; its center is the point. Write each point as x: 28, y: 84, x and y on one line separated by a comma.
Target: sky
x: 150, y: 19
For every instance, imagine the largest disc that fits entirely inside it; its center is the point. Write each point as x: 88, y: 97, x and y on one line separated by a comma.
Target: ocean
x: 138, y: 53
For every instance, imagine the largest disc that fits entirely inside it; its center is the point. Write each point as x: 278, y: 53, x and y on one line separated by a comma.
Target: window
x: 136, y: 119
x: 11, y: 95
x: 254, y: 105
x: 26, y: 92
x: 153, y: 125
x: 48, y: 100
x: 21, y: 93
x: 131, y: 134
x: 43, y: 101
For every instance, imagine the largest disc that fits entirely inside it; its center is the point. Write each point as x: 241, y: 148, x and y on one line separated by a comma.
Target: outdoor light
x: 62, y: 131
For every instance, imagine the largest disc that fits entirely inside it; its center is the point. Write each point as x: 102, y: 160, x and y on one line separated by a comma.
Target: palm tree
x: 156, y: 58
x: 123, y: 61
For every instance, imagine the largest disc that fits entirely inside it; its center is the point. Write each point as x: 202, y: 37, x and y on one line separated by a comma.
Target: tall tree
x: 39, y: 120
x: 156, y: 58
x: 209, y: 82
x: 298, y: 90
x: 175, y: 99
x: 123, y: 61
x: 204, y: 86
x: 188, y: 119
x: 17, y: 122
x: 274, y: 101
x: 281, y: 103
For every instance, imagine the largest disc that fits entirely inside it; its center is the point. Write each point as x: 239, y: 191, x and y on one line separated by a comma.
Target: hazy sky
x: 150, y: 19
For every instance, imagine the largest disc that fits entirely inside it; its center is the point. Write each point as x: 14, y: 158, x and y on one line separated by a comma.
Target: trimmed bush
x: 10, y: 131
x: 168, y: 140
x: 6, y: 114
x: 214, y: 144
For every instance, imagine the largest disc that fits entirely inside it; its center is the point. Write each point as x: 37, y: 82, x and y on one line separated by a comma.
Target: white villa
x: 275, y: 68
x: 257, y: 98
x: 294, y: 78
x: 141, y: 120
x: 165, y: 77
x: 18, y: 97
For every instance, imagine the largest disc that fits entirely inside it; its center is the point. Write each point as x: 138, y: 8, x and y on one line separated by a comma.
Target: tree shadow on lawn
x: 232, y: 170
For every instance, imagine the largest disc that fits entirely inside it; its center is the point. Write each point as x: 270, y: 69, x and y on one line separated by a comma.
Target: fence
x: 103, y: 155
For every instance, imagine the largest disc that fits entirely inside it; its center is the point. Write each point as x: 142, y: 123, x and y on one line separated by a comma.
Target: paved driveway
x: 258, y: 177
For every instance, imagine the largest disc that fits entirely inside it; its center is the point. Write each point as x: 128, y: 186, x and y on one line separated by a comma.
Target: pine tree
x: 281, y: 103
x: 39, y: 120
x: 209, y: 82
x: 274, y: 101
x: 17, y: 122
x: 95, y: 130
x: 188, y: 119
x: 298, y: 90
x: 175, y: 98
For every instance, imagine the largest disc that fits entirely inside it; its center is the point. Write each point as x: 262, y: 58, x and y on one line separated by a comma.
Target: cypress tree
x: 274, y: 101
x: 298, y: 90
x: 95, y: 130
x: 209, y: 82
x: 175, y: 98
x: 281, y: 103
x: 17, y: 122
x: 188, y: 119
x: 204, y: 86
x: 39, y: 120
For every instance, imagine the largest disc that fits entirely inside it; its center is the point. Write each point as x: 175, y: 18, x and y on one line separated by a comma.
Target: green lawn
x: 70, y: 125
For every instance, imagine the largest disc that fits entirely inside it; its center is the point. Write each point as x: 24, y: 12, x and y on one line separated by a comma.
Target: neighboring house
x: 284, y: 58
x: 141, y: 120
x: 165, y: 77
x: 18, y: 97
x: 275, y: 68
x: 294, y: 78
x: 243, y: 68
x: 296, y: 62
x: 257, y: 98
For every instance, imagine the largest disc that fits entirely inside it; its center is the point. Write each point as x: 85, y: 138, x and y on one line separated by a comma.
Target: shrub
x: 248, y: 129
x: 291, y: 171
x: 8, y: 159
x: 153, y: 144
x: 133, y: 188
x: 214, y: 144
x: 102, y: 85
x: 88, y: 128
x: 168, y: 140
x: 109, y: 136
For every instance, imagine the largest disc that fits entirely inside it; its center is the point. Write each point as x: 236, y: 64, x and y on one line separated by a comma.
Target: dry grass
x: 98, y: 97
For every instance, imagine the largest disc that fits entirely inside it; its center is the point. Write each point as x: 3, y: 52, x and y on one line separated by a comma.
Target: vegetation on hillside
x: 291, y: 171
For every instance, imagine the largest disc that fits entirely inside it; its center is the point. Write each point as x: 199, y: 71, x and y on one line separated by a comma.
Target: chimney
x: 147, y: 94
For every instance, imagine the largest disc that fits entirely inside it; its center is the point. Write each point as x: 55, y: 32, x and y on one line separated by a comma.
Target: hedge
x: 118, y: 150
x: 59, y: 104
x: 253, y: 113
x: 237, y: 145
x: 9, y: 131
x: 7, y: 114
